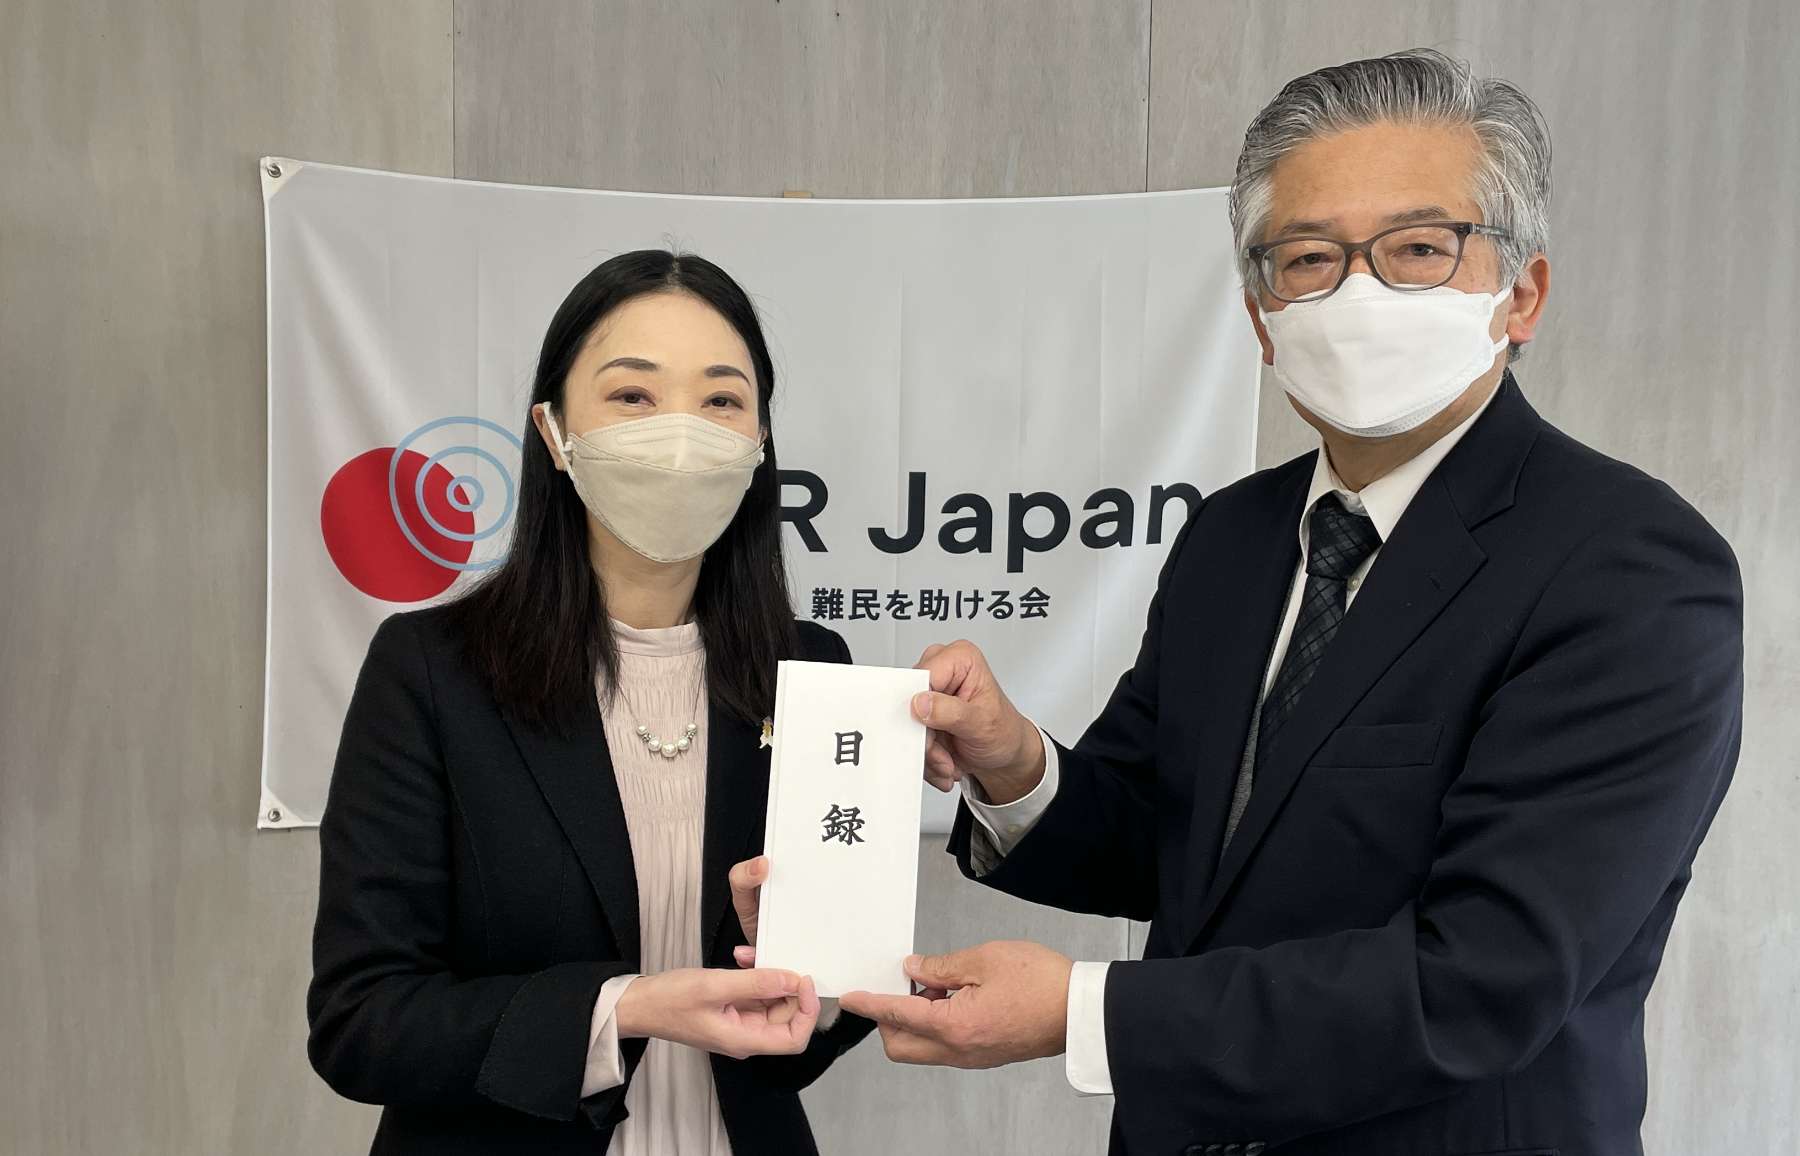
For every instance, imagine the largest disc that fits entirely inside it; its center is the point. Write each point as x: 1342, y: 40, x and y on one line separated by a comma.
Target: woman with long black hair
x: 526, y: 931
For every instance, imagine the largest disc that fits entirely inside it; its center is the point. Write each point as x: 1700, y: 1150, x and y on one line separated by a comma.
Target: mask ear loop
x: 563, y: 448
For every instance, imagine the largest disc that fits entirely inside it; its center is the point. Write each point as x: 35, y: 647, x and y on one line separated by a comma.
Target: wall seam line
x: 1149, y: 87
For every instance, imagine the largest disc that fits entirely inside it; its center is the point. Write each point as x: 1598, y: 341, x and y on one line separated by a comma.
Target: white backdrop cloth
x: 1077, y: 367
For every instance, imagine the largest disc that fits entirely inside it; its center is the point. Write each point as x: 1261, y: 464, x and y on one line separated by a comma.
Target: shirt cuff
x: 605, y: 1066
x: 1085, y: 1063
x: 1005, y: 825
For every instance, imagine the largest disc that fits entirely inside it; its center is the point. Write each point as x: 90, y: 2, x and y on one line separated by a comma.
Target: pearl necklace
x: 680, y: 746
x: 656, y: 744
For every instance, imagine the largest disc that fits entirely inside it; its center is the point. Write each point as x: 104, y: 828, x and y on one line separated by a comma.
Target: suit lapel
x: 576, y: 777
x: 1430, y: 557
x: 1242, y: 600
x: 1413, y: 579
x: 737, y: 787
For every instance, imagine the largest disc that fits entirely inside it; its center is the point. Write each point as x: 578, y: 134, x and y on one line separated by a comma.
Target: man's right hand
x: 975, y: 731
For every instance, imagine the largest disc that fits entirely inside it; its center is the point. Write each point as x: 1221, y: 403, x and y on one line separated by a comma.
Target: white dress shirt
x: 1001, y: 828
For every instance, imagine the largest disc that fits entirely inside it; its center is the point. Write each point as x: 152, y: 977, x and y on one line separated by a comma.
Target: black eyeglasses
x: 1408, y: 258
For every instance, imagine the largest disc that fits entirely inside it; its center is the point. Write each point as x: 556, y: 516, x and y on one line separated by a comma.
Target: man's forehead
x: 1374, y: 176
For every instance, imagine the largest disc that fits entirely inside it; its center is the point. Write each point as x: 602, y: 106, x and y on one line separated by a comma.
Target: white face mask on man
x: 1374, y: 362
x: 666, y: 486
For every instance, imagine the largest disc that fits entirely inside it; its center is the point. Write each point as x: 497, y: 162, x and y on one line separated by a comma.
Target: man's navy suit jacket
x: 1435, y: 927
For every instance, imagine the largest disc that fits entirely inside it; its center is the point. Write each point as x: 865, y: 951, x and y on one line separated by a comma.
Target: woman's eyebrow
x: 727, y: 371
x: 628, y: 363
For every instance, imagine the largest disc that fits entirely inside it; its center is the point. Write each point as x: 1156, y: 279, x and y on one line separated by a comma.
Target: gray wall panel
x: 836, y: 97
x: 1670, y: 342
x: 153, y: 946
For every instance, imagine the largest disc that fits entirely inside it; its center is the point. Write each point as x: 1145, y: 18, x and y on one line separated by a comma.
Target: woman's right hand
x: 746, y: 881
x: 758, y: 1012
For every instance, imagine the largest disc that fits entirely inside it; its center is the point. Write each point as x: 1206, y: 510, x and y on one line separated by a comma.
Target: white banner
x: 1042, y: 386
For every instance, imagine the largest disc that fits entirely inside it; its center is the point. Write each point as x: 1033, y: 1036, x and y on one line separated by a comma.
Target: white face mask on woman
x: 666, y: 486
x: 1374, y: 362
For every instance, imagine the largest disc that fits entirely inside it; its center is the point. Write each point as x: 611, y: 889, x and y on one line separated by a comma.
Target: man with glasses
x: 1426, y: 726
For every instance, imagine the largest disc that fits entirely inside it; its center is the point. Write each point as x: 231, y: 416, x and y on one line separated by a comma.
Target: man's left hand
x: 982, y: 1007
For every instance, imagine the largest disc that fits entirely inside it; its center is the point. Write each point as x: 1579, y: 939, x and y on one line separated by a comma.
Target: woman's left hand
x: 747, y: 879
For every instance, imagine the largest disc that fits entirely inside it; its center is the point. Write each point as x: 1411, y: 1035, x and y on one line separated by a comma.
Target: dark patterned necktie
x: 1338, y: 542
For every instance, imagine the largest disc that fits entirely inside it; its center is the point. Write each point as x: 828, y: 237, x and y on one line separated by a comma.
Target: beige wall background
x: 153, y: 947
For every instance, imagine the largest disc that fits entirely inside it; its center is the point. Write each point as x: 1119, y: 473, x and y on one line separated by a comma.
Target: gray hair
x: 1512, y: 182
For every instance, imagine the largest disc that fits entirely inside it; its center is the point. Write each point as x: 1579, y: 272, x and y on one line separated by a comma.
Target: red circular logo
x: 366, y: 540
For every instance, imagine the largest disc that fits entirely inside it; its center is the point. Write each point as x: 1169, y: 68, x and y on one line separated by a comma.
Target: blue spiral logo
x: 466, y: 493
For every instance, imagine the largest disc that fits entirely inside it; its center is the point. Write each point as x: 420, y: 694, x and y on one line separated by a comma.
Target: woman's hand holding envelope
x: 746, y: 898
x: 758, y: 1012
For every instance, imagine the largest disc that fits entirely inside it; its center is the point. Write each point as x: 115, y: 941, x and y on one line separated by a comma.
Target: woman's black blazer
x: 476, y: 888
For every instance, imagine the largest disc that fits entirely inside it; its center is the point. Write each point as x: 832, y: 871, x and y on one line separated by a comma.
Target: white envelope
x: 843, y: 826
